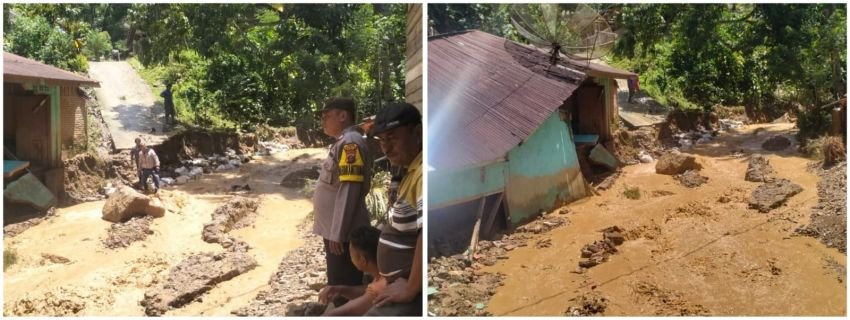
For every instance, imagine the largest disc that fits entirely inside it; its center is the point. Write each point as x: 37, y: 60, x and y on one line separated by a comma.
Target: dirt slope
x: 697, y: 251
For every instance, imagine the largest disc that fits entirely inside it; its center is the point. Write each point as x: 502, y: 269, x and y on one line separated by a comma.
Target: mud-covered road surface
x: 687, y: 251
x: 65, y: 269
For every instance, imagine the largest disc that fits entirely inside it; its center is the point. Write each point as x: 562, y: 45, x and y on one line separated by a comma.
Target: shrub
x: 833, y: 151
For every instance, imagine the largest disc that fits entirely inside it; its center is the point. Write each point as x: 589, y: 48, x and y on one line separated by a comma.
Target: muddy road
x: 92, y: 280
x: 687, y: 251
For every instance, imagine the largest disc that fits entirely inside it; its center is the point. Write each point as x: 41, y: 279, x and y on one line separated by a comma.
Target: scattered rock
x: 587, y: 304
x: 776, y: 143
x: 181, y: 180
x: 123, y: 234
x: 691, y: 179
x: 829, y: 216
x: 672, y: 164
x: 458, y: 290
x: 193, y: 277
x: 124, y: 204
x: 291, y: 290
x: 297, y: 179
x: 759, y: 170
x: 773, y: 194
x: 598, y: 252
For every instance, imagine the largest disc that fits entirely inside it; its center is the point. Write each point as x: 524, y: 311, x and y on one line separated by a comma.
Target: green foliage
x: 98, y: 44
x: 250, y: 63
x: 377, y: 201
x: 34, y: 37
x: 698, y: 56
x: 813, y: 124
x: 487, y: 17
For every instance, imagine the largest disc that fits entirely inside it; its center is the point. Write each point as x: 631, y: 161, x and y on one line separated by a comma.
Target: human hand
x: 329, y: 293
x: 335, y: 247
x: 396, y: 292
x: 376, y: 288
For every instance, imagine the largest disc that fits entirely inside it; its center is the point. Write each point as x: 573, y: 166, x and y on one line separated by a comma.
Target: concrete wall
x: 543, y: 172
x: 413, y: 65
x: 447, y: 187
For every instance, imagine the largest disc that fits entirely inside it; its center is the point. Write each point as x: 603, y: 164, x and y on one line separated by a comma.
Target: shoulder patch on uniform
x: 351, y: 164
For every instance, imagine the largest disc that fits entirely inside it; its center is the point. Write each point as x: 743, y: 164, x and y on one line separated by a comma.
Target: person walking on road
x: 168, y: 102
x: 339, y: 201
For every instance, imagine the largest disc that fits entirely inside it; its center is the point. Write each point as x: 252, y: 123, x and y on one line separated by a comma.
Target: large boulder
x: 776, y: 143
x: 124, y: 204
x: 155, y: 209
x: 759, y: 170
x: 676, y: 163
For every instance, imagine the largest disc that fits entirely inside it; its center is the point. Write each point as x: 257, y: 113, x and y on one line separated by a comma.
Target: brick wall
x: 73, y: 117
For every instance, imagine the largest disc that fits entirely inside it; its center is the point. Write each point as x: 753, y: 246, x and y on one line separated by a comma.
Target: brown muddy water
x: 688, y: 251
x: 99, y: 281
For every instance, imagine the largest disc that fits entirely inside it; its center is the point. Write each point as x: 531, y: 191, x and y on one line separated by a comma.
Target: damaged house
x: 510, y: 133
x: 43, y: 114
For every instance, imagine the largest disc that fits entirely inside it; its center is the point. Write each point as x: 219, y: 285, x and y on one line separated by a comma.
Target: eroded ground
x: 687, y: 251
x: 64, y: 268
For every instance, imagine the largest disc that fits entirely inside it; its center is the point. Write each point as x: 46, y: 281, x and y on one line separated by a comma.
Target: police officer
x: 339, y: 203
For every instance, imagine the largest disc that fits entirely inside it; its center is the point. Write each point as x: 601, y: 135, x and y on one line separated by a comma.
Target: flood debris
x: 587, y: 304
x: 294, y: 287
x: 193, y: 277
x: 759, y: 170
x: 543, y: 223
x: 676, y: 163
x: 237, y: 213
x: 123, y: 234
x: 776, y: 143
x: 829, y: 216
x: 598, y: 252
x: 691, y: 179
x: 771, y: 195
x: 57, y: 302
x: 456, y: 288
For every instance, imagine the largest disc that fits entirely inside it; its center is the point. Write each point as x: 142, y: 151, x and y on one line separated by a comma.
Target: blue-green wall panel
x: 451, y: 186
x: 543, y: 172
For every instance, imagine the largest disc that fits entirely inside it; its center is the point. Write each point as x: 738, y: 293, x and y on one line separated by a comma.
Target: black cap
x: 395, y: 115
x: 340, y: 103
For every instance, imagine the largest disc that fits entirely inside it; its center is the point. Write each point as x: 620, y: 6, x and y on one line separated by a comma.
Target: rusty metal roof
x: 487, y: 94
x: 18, y: 69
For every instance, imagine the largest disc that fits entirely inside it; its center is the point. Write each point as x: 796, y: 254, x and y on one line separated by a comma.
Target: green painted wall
x: 543, y: 172
x: 452, y: 186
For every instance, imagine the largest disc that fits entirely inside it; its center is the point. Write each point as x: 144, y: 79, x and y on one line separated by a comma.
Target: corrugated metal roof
x: 18, y: 69
x: 486, y: 95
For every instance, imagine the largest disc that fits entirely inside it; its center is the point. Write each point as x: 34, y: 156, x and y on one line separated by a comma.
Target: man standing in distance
x: 398, y: 128
x: 339, y: 201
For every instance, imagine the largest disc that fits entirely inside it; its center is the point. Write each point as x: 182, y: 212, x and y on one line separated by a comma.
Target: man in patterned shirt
x: 398, y: 128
